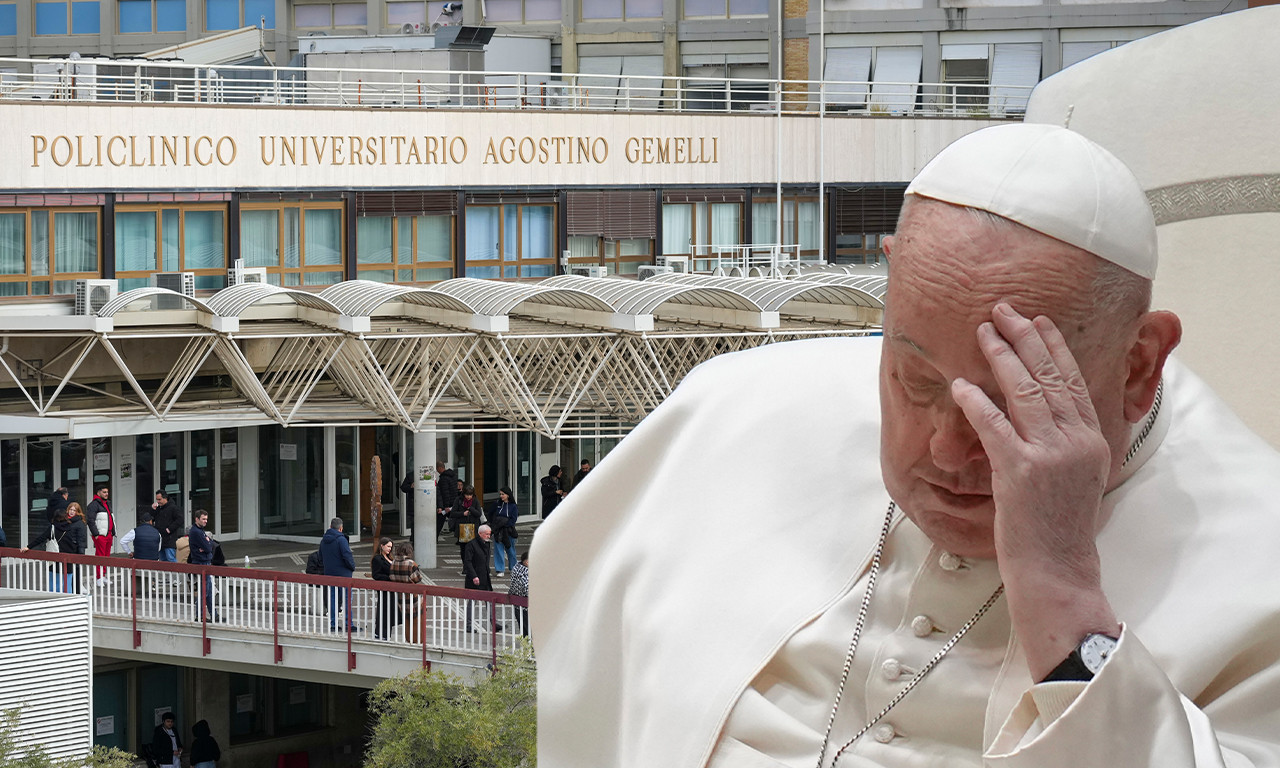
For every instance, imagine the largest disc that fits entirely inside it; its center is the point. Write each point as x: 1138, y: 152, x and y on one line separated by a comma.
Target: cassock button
x: 885, y: 734
x: 950, y: 562
x: 892, y: 669
x: 922, y: 626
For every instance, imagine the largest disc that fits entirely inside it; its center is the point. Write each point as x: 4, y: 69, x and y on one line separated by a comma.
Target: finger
x: 1032, y: 350
x: 1072, y: 378
x: 1025, y: 405
x: 998, y: 437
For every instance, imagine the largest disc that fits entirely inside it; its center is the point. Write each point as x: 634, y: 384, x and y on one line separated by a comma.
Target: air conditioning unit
x: 92, y: 294
x: 584, y: 270
x: 178, y: 282
x: 648, y: 270
x: 414, y: 28
x: 238, y: 273
x: 677, y: 263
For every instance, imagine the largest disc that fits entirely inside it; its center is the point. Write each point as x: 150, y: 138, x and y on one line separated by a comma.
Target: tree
x: 436, y: 720
x: 99, y: 757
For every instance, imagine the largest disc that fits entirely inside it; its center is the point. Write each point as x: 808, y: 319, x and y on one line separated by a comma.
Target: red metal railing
x: 281, y: 604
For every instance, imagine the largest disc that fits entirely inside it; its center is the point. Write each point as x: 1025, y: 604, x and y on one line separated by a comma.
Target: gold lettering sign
x: 136, y: 151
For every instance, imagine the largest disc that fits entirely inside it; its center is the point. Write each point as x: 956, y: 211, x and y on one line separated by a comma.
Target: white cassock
x: 693, y: 601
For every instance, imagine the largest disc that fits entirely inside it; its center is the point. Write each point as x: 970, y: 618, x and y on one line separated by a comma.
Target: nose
x: 954, y: 445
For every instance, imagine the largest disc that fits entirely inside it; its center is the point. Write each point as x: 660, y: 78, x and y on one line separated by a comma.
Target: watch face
x: 1095, y: 650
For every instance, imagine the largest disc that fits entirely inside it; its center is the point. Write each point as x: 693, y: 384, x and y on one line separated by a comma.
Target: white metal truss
x: 565, y: 356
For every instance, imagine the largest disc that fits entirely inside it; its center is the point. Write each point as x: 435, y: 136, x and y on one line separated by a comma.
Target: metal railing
x: 283, y: 605
x: 88, y: 80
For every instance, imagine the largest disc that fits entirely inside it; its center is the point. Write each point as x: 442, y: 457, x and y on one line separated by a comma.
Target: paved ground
x: 291, y: 556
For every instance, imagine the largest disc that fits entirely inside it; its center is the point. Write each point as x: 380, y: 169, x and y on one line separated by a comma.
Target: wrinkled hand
x: 1049, y: 467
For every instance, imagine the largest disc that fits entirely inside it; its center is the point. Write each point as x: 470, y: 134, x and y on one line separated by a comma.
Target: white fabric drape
x: 135, y: 241
x: 204, y: 241
x: 725, y: 224
x: 260, y: 238
x: 373, y: 240
x: 677, y: 228
x: 75, y: 242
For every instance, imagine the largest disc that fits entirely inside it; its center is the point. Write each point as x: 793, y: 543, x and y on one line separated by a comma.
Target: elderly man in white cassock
x: 1028, y: 536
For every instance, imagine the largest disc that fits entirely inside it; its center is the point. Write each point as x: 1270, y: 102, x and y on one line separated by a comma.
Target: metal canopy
x: 566, y: 356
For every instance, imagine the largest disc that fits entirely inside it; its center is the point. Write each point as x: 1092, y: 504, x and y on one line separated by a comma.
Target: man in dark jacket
x: 169, y: 523
x: 475, y: 566
x: 202, y: 554
x: 166, y: 744
x: 446, y: 493
x: 58, y: 500
x: 581, y: 474
x: 143, y: 542
x: 335, y: 553
x: 552, y: 490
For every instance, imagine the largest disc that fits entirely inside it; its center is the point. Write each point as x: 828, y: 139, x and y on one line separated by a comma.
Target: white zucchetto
x: 1052, y: 180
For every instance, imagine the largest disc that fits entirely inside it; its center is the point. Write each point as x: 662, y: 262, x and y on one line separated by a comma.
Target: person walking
x: 335, y: 553
x: 69, y: 535
x: 204, y: 748
x: 446, y: 494
x: 380, y: 568
x: 552, y: 490
x: 502, y: 518
x: 519, y: 587
x: 405, y: 571
x: 475, y: 565
x: 202, y: 554
x: 58, y: 500
x: 169, y: 523
x: 465, y: 517
x: 166, y: 744
x: 102, y: 527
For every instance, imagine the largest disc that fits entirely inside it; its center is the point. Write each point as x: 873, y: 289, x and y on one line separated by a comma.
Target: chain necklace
x: 853, y: 647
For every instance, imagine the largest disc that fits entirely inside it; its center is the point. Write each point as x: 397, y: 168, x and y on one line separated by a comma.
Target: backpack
x: 315, y: 564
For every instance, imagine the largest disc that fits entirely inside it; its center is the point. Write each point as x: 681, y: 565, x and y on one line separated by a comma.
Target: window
x: 417, y: 12
x: 720, y: 9
x: 298, y: 243
x: 991, y: 79
x: 622, y: 257
x: 742, y: 84
x: 44, y: 251
x: 799, y: 223
x: 404, y: 249
x: 152, y: 16
x: 698, y: 228
x: 189, y: 238
x: 63, y: 17
x: 234, y: 14
x: 8, y: 19
x: 330, y: 15
x: 510, y: 240
x: 621, y: 9
x: 517, y: 11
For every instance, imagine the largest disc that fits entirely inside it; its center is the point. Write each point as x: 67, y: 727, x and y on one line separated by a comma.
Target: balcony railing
x: 82, y: 80
x: 287, y: 606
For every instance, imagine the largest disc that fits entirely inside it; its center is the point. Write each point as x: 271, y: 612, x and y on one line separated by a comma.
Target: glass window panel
x: 644, y: 9
x: 13, y: 244
x: 169, y: 239
x: 538, y: 239
x: 502, y: 10
x: 13, y: 289
x: 51, y: 18
x: 601, y: 9
x: 259, y: 238
x: 541, y: 10
x: 350, y: 14
x: 40, y: 484
x: 75, y: 241
x: 348, y: 475
x: 248, y: 707
x: 510, y: 230
x: 764, y: 222
x: 129, y: 283
x: 229, y: 513
x: 483, y: 273
x: 144, y: 471
x: 324, y: 236
x: 373, y: 240
x: 584, y: 247
x: 406, y: 13
x: 405, y: 276
x: 221, y: 14
x: 291, y: 490
x: 203, y: 240
x: 404, y: 240
x: 171, y: 15
x: 535, y: 270
x: 102, y: 475
x: 482, y: 233
x: 748, y: 7
x: 292, y: 238
x: 312, y: 15
x: 299, y: 706
x: 292, y: 280
x: 637, y: 246
x: 256, y: 10
x: 434, y: 274
x: 201, y: 466
x: 135, y: 241
x: 725, y: 229
x: 40, y: 288
x: 86, y: 18
x: 135, y: 15
x: 75, y: 471
x: 9, y: 19
x: 381, y: 275
x: 435, y: 238
x: 807, y: 229
x: 704, y: 8
x: 321, y: 278
x: 677, y: 228
x: 210, y: 282
x: 10, y: 496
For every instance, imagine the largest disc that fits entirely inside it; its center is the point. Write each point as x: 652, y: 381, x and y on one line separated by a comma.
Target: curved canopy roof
x: 635, y: 298
x: 122, y: 302
x: 774, y: 295
x: 234, y: 300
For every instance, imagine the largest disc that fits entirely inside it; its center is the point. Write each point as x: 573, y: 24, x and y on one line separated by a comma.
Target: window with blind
x: 171, y: 238
x: 404, y: 249
x: 511, y: 240
x: 862, y: 218
x: 300, y: 243
x: 43, y: 251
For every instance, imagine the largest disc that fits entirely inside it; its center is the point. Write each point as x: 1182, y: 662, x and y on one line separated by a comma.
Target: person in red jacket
x: 102, y: 526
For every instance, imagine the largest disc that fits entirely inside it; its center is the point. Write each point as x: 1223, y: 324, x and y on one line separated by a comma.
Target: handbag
x: 466, y: 532
x: 52, y: 544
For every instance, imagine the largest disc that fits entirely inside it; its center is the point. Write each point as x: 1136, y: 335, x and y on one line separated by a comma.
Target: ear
x: 1158, y: 333
x: 886, y: 244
